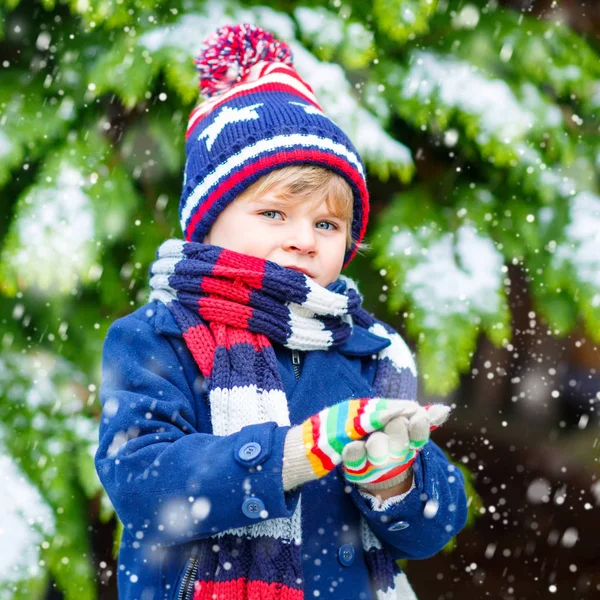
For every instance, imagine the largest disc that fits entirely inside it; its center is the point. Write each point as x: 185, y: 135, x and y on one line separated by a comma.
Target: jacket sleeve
x: 422, y: 522
x: 429, y: 516
x: 168, y: 482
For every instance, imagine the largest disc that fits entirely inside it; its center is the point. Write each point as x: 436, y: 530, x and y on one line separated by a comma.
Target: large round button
x: 252, y: 507
x: 398, y: 526
x: 346, y: 554
x: 249, y: 451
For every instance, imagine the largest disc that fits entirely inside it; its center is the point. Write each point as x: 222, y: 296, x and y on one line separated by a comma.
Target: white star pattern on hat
x: 227, y: 116
x: 309, y: 109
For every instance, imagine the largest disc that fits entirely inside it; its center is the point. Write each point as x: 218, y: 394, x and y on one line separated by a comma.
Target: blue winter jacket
x: 157, y: 458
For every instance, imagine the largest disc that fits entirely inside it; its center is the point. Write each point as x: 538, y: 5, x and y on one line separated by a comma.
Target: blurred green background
x: 479, y: 125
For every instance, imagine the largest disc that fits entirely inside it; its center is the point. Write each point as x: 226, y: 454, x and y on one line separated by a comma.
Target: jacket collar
x: 164, y: 322
x: 361, y: 343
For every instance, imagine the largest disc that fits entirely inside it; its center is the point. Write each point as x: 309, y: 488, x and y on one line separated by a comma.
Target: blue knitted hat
x: 259, y: 115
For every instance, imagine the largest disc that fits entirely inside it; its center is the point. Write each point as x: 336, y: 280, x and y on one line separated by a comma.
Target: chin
x: 320, y: 282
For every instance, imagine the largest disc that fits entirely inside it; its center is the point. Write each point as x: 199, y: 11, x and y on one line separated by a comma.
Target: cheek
x: 337, y: 249
x: 255, y: 240
x: 231, y: 231
x: 333, y: 258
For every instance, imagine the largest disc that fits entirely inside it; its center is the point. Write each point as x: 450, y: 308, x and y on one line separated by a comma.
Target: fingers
x: 438, y: 414
x: 354, y: 455
x: 375, y: 451
x: 396, y: 443
x: 398, y: 440
x: 377, y: 412
x: 397, y: 408
x: 418, y: 428
x: 377, y: 448
x: 366, y: 416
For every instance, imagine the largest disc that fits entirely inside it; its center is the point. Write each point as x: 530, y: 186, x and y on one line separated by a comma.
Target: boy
x: 245, y: 409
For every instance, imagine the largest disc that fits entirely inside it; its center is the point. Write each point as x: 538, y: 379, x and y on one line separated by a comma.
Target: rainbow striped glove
x: 385, y: 458
x: 314, y: 448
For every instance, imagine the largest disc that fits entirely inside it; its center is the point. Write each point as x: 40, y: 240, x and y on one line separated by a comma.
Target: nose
x: 302, y: 238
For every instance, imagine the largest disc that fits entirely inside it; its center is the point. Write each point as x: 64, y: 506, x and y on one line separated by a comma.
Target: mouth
x: 300, y: 270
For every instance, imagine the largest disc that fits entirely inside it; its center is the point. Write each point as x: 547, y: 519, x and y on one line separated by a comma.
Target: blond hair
x: 318, y: 185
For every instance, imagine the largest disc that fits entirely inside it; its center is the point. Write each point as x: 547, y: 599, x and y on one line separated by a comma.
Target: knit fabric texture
x: 315, y: 447
x: 259, y: 115
x: 382, y: 460
x: 229, y: 307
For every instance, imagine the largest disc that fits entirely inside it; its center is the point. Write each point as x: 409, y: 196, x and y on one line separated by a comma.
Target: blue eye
x: 333, y: 226
x: 273, y: 212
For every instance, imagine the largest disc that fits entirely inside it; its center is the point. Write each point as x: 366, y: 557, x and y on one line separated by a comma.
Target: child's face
x: 291, y: 235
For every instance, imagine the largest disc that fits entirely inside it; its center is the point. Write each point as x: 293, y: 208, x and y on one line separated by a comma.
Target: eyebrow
x: 270, y: 201
x: 283, y: 203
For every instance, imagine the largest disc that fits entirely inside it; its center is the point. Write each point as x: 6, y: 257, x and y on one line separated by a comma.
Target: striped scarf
x: 230, y: 307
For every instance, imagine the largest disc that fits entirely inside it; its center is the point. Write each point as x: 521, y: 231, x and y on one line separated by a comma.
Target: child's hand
x: 383, y: 459
x: 314, y: 448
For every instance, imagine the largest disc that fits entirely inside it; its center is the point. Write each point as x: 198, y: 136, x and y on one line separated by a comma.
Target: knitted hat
x: 259, y: 115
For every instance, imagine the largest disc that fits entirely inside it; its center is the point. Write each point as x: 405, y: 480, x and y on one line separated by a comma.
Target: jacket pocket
x: 358, y: 389
x: 184, y: 590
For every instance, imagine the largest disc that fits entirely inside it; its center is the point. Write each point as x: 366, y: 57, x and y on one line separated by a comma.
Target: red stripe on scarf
x: 223, y: 311
x: 234, y: 265
x: 201, y: 343
x: 261, y: 341
x: 227, y: 289
x: 248, y: 590
x: 240, y: 336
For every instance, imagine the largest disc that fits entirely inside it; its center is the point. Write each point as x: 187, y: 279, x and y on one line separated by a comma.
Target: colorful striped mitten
x: 314, y: 448
x: 384, y: 459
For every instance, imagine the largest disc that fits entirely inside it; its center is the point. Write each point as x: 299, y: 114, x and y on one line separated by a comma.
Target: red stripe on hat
x: 267, y: 86
x: 259, y: 164
x: 268, y: 68
x: 264, y: 69
x: 285, y: 70
x: 281, y: 68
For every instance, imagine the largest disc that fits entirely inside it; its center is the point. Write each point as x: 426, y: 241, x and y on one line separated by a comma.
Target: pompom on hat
x: 258, y: 115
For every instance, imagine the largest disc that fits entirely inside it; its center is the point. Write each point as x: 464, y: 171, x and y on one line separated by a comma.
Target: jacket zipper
x: 186, y: 590
x: 296, y: 363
